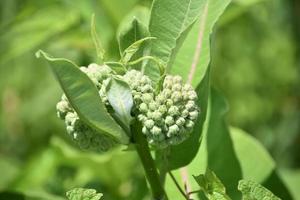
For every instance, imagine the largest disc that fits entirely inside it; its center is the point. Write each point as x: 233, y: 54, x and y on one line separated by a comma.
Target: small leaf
x: 120, y: 98
x: 212, y: 186
x: 84, y: 97
x: 133, y: 28
x: 132, y: 49
x: 254, y: 191
x: 99, y: 49
x: 83, y: 194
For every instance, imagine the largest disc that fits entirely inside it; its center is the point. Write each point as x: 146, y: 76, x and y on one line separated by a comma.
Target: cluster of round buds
x: 168, y: 117
x: 81, y: 133
x: 99, y: 74
x: 141, y: 87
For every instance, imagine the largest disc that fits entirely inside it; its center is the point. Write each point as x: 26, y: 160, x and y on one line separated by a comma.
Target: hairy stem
x: 148, y: 163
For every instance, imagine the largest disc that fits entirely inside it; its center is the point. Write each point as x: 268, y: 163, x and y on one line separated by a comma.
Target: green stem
x: 178, y: 186
x: 148, y: 163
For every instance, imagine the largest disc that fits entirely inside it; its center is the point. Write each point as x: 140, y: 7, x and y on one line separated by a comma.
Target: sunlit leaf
x: 120, y: 98
x: 194, y: 56
x: 99, y: 48
x: 170, y: 21
x: 255, y: 161
x: 254, y: 191
x: 83, y: 194
x: 132, y: 49
x: 84, y: 97
x: 212, y: 186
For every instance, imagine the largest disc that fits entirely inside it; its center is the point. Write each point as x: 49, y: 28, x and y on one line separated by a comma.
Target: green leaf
x: 170, y: 22
x: 132, y: 49
x: 84, y: 97
x: 83, y: 194
x: 120, y: 98
x: 254, y: 191
x: 182, y: 154
x: 255, y: 161
x: 133, y: 28
x: 221, y: 157
x: 99, y: 49
x: 212, y: 186
x: 194, y: 56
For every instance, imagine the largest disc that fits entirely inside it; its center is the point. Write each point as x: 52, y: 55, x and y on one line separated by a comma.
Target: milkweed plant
x: 155, y: 100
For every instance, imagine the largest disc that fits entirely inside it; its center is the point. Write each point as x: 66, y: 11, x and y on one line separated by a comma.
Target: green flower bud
x: 62, y: 108
x: 149, y: 123
x: 180, y: 121
x: 156, y: 130
x: 189, y: 124
x: 143, y: 107
x: 177, y: 79
x: 153, y: 105
x: 194, y: 115
x: 162, y: 109
x: 176, y: 87
x: 169, y: 102
x: 169, y: 120
x: 174, y: 129
x: 173, y: 110
x: 147, y: 98
x: 142, y: 118
x: 145, y: 130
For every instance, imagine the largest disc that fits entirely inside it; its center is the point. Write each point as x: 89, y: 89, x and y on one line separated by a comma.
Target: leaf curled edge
x: 84, y: 97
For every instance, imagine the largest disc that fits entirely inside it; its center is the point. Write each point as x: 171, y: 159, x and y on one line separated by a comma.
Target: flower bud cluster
x: 141, y: 88
x: 82, y: 134
x: 99, y: 75
x: 168, y: 117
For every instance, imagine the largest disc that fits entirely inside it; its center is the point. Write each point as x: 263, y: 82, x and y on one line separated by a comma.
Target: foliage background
x: 255, y: 62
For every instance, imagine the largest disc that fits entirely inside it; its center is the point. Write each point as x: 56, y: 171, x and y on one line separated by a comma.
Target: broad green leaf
x: 83, y: 194
x: 254, y: 191
x: 170, y: 21
x: 292, y: 179
x: 212, y: 186
x: 132, y: 49
x: 256, y: 164
x: 84, y: 97
x: 99, y: 49
x: 221, y: 155
x: 255, y: 161
x: 120, y: 98
x: 182, y: 154
x: 194, y: 56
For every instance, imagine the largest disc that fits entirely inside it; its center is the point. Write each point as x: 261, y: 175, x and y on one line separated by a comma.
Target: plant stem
x: 178, y: 186
x: 148, y: 163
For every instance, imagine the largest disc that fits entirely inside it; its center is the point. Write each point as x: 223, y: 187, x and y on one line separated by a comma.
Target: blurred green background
x: 256, y: 65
